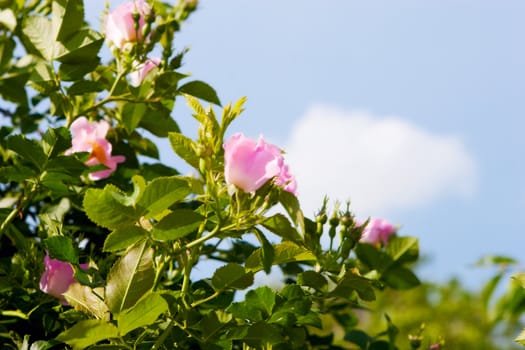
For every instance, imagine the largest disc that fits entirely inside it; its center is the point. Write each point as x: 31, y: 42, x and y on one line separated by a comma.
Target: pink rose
x: 138, y: 75
x: 120, y: 24
x: 57, y: 278
x: 376, y: 231
x: 249, y: 164
x: 91, y: 137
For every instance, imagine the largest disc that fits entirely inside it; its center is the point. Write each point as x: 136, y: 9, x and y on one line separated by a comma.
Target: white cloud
x: 378, y: 163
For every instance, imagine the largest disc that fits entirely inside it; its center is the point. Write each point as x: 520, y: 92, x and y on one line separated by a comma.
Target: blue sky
x: 413, y: 110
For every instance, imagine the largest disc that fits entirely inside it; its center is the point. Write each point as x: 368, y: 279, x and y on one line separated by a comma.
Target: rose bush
x: 144, y: 227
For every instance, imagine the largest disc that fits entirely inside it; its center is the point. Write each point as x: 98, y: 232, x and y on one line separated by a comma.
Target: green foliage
x: 145, y: 229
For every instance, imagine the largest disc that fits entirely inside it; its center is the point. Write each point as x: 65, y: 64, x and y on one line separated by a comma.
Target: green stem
x: 19, y: 207
x: 202, y: 239
x: 202, y: 301
x: 186, y: 279
x: 14, y: 313
x: 117, y: 80
x: 116, y: 99
x: 163, y: 336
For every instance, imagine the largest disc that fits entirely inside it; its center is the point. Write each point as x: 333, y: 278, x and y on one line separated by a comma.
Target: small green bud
x: 415, y: 341
x: 321, y: 218
x: 334, y: 220
x: 136, y: 19
x: 347, y: 220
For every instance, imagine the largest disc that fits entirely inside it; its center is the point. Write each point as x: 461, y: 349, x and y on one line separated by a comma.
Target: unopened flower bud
x: 321, y: 218
x: 346, y: 220
x: 415, y: 341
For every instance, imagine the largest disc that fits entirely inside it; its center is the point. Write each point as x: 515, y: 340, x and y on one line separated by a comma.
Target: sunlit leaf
x: 200, y: 90
x: 87, y: 300
x: 178, y: 224
x: 61, y: 248
x: 163, y: 192
x: 88, y: 332
x: 231, y: 276
x: 67, y: 18
x: 283, y: 253
x: 130, y: 278
x: 105, y: 207
x: 123, y: 238
x: 185, y: 148
x: 280, y: 225
x: 144, y: 313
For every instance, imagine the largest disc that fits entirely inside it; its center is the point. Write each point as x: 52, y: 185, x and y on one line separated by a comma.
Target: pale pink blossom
x: 249, y: 164
x: 91, y: 137
x: 120, y: 25
x: 138, y: 75
x: 57, y: 278
x: 377, y: 231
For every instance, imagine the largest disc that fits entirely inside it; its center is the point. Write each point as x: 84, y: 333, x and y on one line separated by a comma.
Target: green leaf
x: 262, y: 298
x: 283, y: 253
x: 178, y: 224
x: 144, y: 146
x: 185, y: 148
x: 85, y: 87
x: 8, y: 19
x: 231, y: 276
x: 280, y: 225
x: 30, y: 150
x: 82, y: 47
x: 352, y: 282
x: 87, y: 300
x: 245, y: 311
x: 267, y: 251
x: 56, y: 141
x: 7, y: 47
x: 520, y: 278
x: 372, y: 257
x: 67, y: 18
x: 88, y: 332
x: 105, y: 207
x: 39, y: 30
x: 61, y: 248
x: 130, y: 278
x: 16, y: 173
x: 358, y: 337
x: 399, y: 277
x: 144, y: 313
x: 488, y: 290
x: 159, y: 122
x: 312, y: 279
x: 520, y: 339
x: 166, y: 83
x: 43, y: 344
x: 210, y: 325
x: 42, y: 78
x: 132, y: 115
x: 162, y: 193
x: 200, y: 90
x: 75, y: 71
x: 229, y: 114
x: 124, y: 238
x: 291, y: 204
x: 403, y: 249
